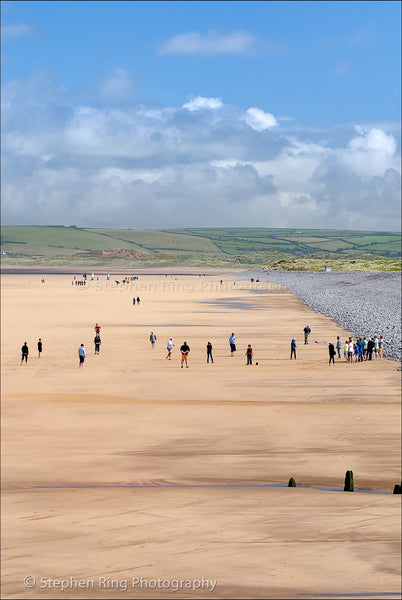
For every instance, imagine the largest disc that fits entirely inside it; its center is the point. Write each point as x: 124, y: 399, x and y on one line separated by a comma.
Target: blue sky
x: 247, y: 113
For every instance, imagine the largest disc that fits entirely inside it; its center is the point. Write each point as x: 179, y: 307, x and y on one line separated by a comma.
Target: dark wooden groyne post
x: 348, y: 482
x: 397, y: 488
x: 292, y: 482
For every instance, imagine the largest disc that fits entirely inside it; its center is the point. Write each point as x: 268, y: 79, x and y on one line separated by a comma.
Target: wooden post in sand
x: 292, y: 482
x: 397, y: 488
x: 348, y: 482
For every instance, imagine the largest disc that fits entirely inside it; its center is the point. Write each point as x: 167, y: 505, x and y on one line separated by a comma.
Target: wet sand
x: 135, y: 468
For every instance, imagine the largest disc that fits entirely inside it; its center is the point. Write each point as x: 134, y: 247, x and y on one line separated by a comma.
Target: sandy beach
x: 135, y: 469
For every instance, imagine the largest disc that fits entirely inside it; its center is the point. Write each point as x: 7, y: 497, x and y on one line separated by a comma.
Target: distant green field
x: 205, y: 246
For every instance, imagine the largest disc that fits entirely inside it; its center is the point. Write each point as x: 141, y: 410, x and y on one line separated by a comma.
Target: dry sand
x: 135, y: 468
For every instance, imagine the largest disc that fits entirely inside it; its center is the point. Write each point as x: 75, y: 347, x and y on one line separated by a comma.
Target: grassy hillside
x: 218, y: 247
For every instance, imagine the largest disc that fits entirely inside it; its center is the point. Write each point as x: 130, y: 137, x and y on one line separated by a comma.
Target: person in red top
x: 97, y: 329
x: 249, y: 354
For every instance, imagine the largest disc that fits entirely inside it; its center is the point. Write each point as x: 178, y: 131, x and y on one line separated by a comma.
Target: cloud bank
x: 211, y: 44
x: 204, y: 163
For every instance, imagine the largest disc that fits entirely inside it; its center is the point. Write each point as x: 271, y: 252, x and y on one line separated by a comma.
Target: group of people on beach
x: 185, y: 350
x: 355, y: 351
x: 361, y: 349
x: 358, y: 350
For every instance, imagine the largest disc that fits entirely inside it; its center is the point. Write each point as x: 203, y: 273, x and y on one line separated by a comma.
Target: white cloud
x: 138, y: 166
x: 259, y: 120
x: 370, y: 153
x: 17, y: 30
x: 200, y: 102
x: 118, y: 86
x: 211, y: 44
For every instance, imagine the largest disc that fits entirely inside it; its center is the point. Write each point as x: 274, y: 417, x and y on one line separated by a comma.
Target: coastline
x: 97, y: 270
x: 366, y: 303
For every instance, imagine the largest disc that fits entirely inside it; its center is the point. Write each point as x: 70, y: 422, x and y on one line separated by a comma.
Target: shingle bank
x: 365, y: 302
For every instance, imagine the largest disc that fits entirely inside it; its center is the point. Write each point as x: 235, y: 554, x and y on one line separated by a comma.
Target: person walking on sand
x: 338, y: 346
x: 232, y: 342
x: 307, y: 332
x: 97, y: 342
x: 138, y: 300
x: 152, y: 339
x: 169, y: 347
x: 81, y: 354
x: 346, y: 350
x: 249, y: 354
x: 184, y: 349
x: 209, y: 352
x: 293, y: 349
x: 24, y: 353
x: 40, y: 346
x: 332, y: 354
x: 133, y: 301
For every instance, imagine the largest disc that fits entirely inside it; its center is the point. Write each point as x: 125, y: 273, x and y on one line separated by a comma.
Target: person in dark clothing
x: 332, y: 353
x: 249, y: 354
x: 293, y: 349
x: 209, y: 352
x: 40, y: 346
x: 185, y: 349
x: 138, y: 300
x: 370, y: 349
x: 307, y: 332
x: 24, y: 353
x: 97, y: 342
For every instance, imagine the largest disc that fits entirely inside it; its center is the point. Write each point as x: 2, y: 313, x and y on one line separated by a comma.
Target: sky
x: 150, y: 115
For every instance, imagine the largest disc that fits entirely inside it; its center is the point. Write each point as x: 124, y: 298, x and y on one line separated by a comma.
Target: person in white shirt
x: 350, y: 350
x: 232, y: 342
x: 169, y: 347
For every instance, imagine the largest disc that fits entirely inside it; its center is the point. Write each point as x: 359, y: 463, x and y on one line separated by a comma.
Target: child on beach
x: 356, y: 350
x: 249, y: 354
x: 40, y: 346
x: 152, y: 339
